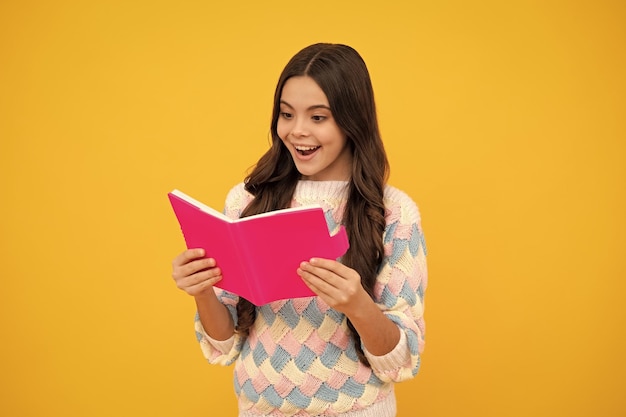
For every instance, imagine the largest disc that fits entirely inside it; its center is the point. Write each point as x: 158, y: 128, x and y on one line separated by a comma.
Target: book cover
x: 259, y: 255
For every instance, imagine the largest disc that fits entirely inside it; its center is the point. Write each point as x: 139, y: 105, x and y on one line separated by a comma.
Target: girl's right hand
x: 194, y: 274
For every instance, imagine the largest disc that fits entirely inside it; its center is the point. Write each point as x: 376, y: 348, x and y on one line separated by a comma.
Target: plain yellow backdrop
x: 503, y: 120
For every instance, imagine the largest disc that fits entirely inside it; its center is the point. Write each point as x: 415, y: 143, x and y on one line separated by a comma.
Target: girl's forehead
x: 303, y: 90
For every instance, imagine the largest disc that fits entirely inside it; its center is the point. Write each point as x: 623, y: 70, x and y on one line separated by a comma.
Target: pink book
x: 259, y: 255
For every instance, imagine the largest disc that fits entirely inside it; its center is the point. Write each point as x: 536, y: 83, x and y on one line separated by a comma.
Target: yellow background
x: 503, y: 120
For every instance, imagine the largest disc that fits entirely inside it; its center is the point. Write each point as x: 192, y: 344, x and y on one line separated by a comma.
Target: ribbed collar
x: 313, y: 190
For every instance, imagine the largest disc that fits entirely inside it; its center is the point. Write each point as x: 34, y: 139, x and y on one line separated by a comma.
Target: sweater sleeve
x: 400, y: 288
x: 225, y: 352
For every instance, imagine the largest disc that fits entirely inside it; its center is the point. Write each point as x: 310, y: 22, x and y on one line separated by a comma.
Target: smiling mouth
x: 306, y: 150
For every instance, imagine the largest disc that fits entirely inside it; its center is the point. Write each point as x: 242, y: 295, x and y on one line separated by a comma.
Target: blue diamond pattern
x: 330, y: 220
x: 352, y: 388
x: 327, y: 393
x: 313, y: 314
x: 297, y: 398
x: 331, y: 355
x: 335, y: 315
x: 280, y: 358
x: 272, y: 396
x: 289, y: 315
x: 259, y: 354
x: 408, y: 294
x: 268, y: 314
x: 390, y: 232
x: 305, y: 359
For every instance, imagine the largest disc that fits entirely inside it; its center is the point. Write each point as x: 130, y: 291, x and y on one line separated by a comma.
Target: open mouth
x: 306, y: 150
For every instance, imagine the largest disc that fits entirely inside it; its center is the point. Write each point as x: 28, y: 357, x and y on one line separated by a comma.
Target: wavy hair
x: 342, y: 75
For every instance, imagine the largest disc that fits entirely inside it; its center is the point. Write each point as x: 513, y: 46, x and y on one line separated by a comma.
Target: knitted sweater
x: 299, y: 359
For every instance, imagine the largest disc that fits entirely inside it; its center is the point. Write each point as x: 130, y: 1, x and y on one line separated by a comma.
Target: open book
x: 259, y: 255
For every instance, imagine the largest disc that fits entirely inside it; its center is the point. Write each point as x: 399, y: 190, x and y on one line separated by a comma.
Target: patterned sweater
x: 299, y: 359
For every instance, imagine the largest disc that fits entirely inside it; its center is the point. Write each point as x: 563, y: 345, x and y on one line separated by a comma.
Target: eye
x: 286, y: 115
x: 318, y: 118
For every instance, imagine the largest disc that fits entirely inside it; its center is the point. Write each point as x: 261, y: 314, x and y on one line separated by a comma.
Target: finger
x: 202, y: 278
x: 187, y: 256
x: 197, y: 266
x: 202, y: 286
x: 318, y: 284
x: 331, y: 265
x: 311, y: 281
x: 193, y: 267
x: 319, y: 271
x: 205, y: 275
x: 331, y: 295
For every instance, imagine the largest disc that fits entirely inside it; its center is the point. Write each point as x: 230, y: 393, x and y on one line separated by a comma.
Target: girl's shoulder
x: 400, y: 206
x: 237, y: 199
x: 238, y: 191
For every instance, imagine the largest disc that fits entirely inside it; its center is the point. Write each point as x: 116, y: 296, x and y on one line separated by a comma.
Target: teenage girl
x: 338, y: 353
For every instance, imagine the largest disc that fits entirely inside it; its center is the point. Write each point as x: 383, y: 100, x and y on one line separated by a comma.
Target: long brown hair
x: 342, y: 75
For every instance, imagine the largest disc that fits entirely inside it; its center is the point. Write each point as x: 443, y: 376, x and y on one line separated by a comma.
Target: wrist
x: 206, y: 297
x: 363, y: 310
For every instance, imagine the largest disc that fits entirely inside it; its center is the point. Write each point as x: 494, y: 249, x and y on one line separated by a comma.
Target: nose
x: 299, y: 128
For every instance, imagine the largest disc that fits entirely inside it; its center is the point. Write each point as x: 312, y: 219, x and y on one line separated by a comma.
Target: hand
x: 338, y: 285
x: 194, y: 274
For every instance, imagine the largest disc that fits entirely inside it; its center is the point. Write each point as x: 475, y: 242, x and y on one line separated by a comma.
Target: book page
x: 221, y: 215
x: 202, y: 206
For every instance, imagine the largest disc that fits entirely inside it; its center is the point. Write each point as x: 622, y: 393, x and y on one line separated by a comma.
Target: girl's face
x: 307, y: 128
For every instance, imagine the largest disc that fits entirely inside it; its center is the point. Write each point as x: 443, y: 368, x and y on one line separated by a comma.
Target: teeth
x: 305, y: 148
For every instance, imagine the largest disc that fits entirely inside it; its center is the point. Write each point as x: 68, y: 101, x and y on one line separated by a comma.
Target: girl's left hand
x: 338, y: 285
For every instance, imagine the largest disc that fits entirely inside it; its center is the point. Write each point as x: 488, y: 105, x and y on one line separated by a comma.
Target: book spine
x: 244, y: 244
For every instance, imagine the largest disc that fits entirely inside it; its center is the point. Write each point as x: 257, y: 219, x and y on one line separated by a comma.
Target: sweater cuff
x: 397, y: 358
x: 224, y: 346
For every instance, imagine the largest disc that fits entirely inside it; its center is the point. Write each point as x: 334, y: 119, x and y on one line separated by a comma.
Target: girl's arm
x: 214, y: 317
x: 394, y: 353
x: 340, y: 287
x: 196, y: 276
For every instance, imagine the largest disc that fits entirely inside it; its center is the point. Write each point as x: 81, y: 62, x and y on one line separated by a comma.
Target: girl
x: 339, y: 353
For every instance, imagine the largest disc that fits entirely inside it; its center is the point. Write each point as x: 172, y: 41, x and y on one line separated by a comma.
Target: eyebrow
x: 313, y: 107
